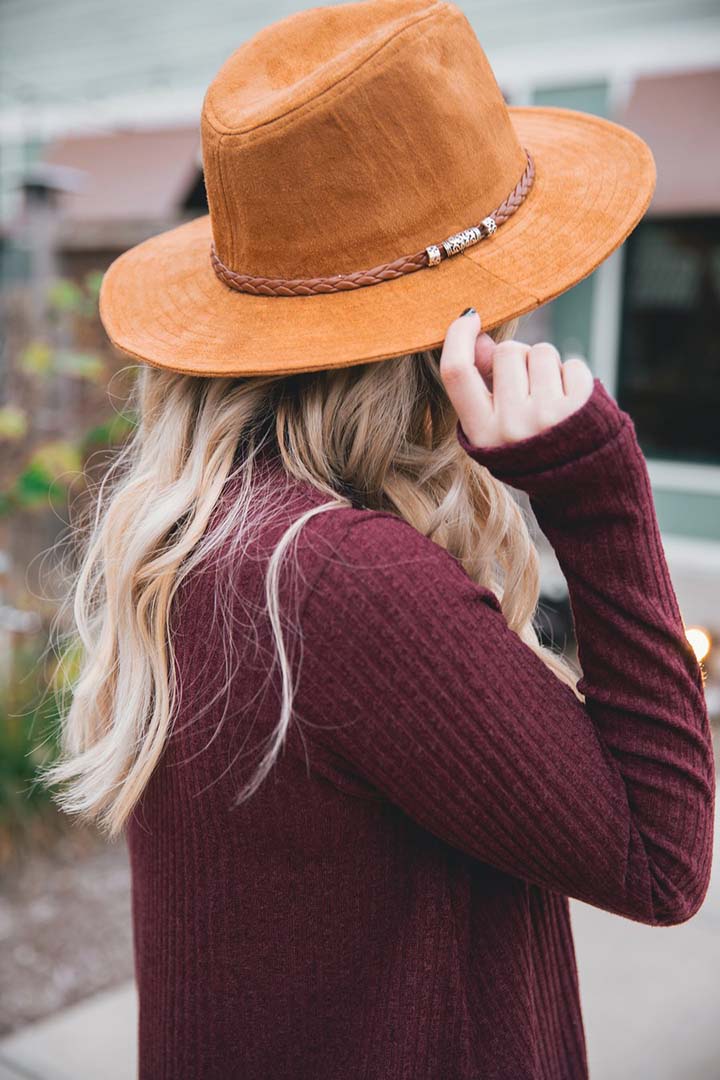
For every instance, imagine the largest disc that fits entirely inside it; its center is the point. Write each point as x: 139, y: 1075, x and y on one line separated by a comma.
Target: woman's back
x: 317, y: 931
x: 391, y: 901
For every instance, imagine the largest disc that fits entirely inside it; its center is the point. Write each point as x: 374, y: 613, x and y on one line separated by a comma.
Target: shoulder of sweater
x: 363, y: 537
x: 371, y: 552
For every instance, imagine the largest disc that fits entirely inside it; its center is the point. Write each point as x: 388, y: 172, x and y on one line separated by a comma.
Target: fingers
x: 545, y: 370
x: 510, y: 372
x: 577, y: 378
x: 463, y: 381
x: 484, y: 352
x: 509, y: 391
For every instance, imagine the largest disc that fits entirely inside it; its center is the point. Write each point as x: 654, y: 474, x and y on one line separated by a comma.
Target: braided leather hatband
x: 406, y: 264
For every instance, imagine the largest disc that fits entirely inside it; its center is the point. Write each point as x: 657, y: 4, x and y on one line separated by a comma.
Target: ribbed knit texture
x: 392, y: 903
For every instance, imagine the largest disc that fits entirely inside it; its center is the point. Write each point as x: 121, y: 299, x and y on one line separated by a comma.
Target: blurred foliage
x: 93, y: 281
x: 29, y: 712
x: 36, y: 359
x: 55, y: 466
x: 65, y: 295
x: 40, y: 359
x: 13, y: 422
x: 112, y: 433
x: 50, y: 469
x: 55, y: 419
x: 79, y: 365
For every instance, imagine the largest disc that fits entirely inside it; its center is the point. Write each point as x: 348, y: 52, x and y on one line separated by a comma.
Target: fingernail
x: 468, y: 311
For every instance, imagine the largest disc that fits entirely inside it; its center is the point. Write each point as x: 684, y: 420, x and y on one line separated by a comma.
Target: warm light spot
x: 700, y: 641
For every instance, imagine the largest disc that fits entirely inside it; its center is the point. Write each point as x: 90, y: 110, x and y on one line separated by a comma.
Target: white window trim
x: 660, y: 50
x: 605, y: 322
x: 685, y: 477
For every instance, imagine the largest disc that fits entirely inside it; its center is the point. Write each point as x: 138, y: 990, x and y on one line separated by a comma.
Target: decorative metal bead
x: 465, y: 239
x: 457, y: 243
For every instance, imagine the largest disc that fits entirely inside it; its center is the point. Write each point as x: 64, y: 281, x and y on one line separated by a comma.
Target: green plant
x: 57, y: 423
x: 52, y: 469
x: 29, y: 711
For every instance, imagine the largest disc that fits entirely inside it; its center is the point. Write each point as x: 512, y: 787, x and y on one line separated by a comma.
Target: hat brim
x: 162, y: 303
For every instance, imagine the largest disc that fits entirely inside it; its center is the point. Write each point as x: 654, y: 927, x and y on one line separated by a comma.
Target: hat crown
x: 344, y: 137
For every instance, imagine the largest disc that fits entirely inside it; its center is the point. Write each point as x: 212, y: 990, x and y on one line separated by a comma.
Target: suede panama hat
x: 366, y: 182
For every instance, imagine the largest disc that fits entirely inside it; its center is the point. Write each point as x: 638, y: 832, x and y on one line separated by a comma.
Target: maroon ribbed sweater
x: 392, y: 903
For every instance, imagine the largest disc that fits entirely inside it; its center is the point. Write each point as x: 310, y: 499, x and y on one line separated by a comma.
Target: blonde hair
x: 383, y: 434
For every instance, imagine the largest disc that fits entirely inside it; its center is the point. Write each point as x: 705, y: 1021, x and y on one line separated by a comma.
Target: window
x: 669, y: 365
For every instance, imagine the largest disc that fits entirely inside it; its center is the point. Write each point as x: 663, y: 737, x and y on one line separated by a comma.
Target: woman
x: 357, y: 790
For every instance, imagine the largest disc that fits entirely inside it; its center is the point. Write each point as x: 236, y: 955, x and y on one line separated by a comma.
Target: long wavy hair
x: 383, y: 433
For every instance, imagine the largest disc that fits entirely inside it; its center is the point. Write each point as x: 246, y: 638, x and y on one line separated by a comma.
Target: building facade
x: 82, y: 78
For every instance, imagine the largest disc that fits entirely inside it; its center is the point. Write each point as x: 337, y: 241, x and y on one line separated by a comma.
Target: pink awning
x: 678, y: 115
x: 128, y: 175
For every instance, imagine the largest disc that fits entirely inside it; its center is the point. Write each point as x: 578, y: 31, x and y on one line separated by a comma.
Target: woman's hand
x: 506, y: 392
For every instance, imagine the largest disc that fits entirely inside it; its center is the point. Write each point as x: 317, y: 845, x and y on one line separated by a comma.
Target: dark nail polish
x: 468, y: 311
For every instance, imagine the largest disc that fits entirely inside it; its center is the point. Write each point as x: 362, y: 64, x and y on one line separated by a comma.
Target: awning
x: 128, y: 182
x: 677, y: 116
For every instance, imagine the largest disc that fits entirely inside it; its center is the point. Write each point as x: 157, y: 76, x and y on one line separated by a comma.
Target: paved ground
x: 65, y: 930
x: 649, y: 994
x: 94, y: 1040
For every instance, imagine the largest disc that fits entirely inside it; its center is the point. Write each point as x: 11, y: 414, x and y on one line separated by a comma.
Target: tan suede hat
x: 366, y: 183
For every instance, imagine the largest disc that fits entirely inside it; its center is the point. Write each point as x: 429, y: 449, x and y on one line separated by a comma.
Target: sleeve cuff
x: 590, y: 427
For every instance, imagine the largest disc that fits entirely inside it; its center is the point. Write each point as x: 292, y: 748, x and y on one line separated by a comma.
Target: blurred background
x: 99, y: 149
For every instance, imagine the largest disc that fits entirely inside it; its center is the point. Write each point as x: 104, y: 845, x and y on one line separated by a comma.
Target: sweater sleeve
x: 413, y: 678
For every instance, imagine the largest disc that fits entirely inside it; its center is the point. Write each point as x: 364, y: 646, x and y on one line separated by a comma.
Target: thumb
x: 463, y: 382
